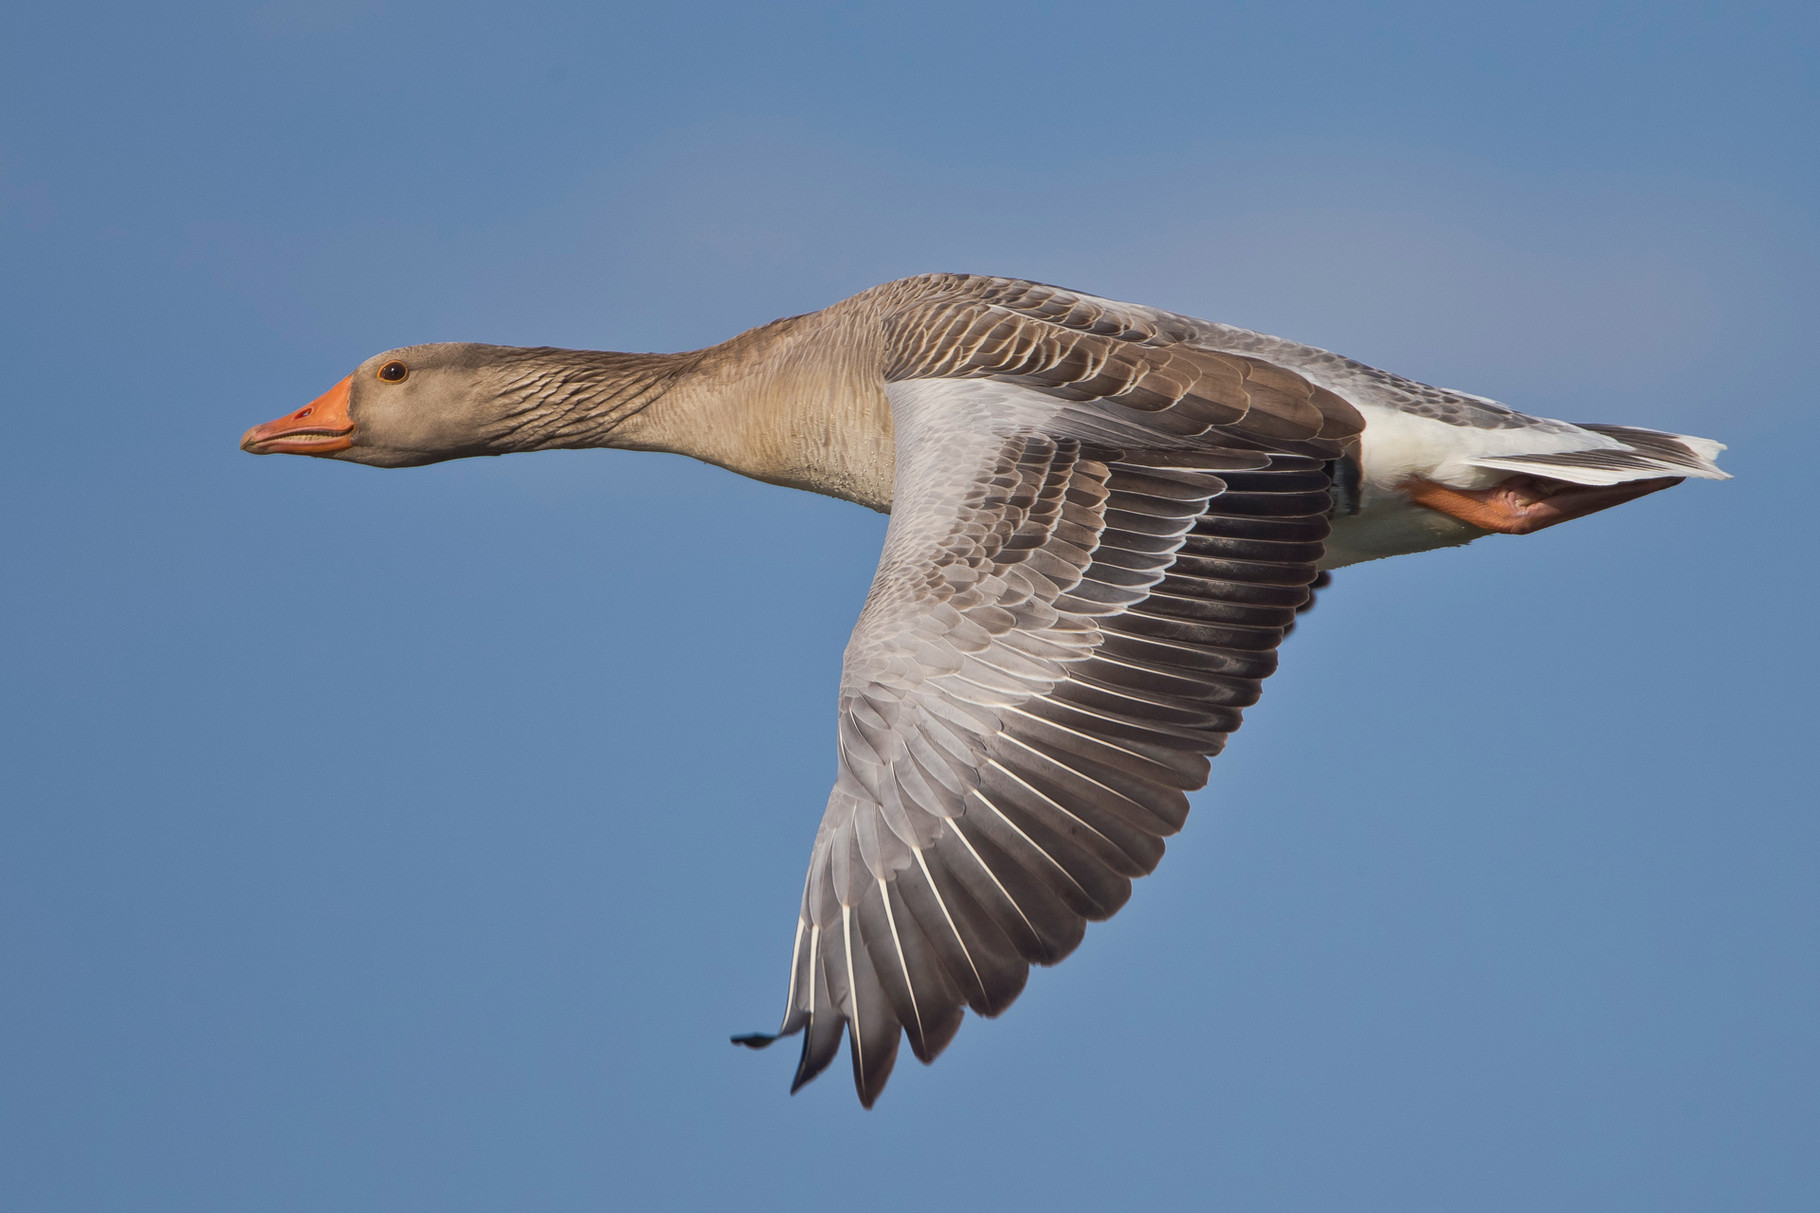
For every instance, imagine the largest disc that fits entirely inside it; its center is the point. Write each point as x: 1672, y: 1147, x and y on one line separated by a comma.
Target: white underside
x: 1397, y: 445
x: 1392, y: 528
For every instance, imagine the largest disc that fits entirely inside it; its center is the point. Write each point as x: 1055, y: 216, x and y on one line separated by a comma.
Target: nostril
x: 302, y: 413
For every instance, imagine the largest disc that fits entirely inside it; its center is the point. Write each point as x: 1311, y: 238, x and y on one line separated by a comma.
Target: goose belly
x: 1392, y: 527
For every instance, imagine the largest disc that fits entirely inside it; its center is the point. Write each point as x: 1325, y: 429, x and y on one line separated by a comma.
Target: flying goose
x: 1104, y: 519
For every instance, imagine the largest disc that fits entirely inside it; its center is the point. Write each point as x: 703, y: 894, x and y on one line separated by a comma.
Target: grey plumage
x: 1104, y: 520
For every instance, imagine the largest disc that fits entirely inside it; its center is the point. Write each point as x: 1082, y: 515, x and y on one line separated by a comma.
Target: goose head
x: 406, y: 407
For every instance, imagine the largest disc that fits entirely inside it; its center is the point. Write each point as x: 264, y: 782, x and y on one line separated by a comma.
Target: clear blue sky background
x: 414, y: 840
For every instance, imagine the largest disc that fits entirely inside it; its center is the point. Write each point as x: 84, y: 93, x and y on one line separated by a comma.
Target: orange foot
x: 1527, y: 503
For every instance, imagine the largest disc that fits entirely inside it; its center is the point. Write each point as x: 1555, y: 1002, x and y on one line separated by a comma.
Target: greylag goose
x: 1104, y: 519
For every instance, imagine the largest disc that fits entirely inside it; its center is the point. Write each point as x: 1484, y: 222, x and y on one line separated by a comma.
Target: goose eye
x: 394, y: 372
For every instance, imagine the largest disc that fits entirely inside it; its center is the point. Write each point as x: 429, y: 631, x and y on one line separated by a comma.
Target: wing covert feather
x: 1121, y: 358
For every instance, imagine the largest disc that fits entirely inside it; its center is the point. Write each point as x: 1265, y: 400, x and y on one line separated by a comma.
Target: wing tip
x: 755, y: 1040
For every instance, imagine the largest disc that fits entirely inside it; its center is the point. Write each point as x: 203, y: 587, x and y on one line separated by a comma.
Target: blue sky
x: 414, y: 840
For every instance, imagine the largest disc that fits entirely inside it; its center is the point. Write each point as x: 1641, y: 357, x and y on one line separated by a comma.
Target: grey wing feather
x: 1059, y: 634
x: 1102, y: 528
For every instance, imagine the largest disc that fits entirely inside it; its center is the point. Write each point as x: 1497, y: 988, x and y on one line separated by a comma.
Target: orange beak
x: 320, y: 427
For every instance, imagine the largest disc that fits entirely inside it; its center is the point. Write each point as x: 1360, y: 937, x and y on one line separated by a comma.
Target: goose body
x: 1104, y: 519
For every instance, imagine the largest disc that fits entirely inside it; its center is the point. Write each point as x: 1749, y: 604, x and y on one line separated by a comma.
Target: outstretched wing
x: 1100, y: 533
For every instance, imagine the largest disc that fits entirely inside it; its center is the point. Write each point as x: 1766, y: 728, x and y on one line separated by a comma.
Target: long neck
x: 797, y: 402
x: 559, y: 399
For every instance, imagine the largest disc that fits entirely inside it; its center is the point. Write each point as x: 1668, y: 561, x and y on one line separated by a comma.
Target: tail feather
x: 1645, y: 454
